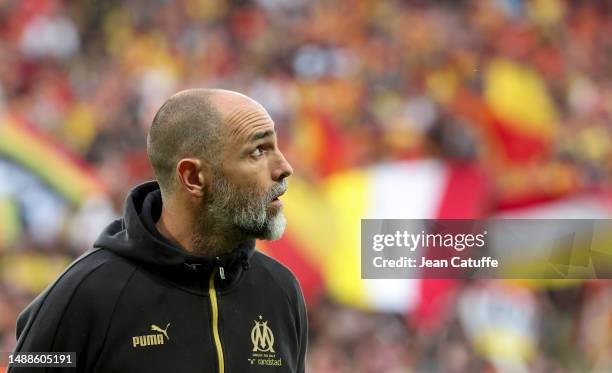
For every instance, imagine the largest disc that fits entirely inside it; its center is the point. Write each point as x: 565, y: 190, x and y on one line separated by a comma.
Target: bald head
x: 193, y: 123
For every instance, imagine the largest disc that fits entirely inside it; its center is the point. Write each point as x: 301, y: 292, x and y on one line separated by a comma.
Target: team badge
x: 262, y: 338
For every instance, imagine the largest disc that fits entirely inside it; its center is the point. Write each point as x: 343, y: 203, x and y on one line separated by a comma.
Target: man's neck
x: 214, y: 241
x: 174, y: 229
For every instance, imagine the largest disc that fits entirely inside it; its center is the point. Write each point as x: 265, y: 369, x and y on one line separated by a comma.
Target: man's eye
x: 258, y: 152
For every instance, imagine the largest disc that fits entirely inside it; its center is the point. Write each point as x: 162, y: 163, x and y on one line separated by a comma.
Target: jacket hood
x: 135, y: 238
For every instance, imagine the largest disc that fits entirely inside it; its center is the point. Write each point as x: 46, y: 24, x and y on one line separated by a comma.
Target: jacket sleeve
x: 302, y: 330
x: 70, y: 316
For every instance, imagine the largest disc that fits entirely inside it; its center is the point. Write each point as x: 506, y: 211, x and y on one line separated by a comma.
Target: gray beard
x: 242, y: 212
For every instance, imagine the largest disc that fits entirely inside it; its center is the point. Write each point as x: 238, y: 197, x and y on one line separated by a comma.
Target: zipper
x: 212, y: 292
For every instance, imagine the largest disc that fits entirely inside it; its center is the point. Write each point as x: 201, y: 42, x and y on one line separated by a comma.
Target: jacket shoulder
x: 81, y: 296
x: 275, y: 267
x: 281, y: 275
x: 96, y: 269
x: 95, y: 280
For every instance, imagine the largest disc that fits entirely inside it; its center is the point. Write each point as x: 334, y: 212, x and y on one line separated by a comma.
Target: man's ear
x: 194, y: 176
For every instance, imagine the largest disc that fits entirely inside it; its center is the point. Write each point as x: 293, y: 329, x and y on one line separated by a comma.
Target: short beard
x: 241, y: 214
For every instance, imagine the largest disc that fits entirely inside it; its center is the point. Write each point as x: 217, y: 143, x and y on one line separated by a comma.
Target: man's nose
x: 283, y: 169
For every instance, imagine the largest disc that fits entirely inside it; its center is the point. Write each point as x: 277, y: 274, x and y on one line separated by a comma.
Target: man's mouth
x: 276, y: 200
x: 277, y: 197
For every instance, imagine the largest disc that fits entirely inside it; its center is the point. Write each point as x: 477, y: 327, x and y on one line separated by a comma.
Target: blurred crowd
x: 349, y: 83
x: 492, y: 327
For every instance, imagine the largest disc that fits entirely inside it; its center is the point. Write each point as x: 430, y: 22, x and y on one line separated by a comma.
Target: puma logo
x: 151, y: 339
x: 156, y: 328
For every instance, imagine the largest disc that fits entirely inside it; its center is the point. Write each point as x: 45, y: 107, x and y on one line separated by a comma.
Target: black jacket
x: 137, y: 303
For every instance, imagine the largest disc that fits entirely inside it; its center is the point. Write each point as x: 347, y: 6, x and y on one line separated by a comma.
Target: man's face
x: 250, y: 177
x: 251, y: 210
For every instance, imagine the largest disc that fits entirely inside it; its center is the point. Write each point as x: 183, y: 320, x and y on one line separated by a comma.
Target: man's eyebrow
x: 261, y: 134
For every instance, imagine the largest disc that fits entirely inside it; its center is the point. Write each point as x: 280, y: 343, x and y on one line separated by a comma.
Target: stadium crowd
x: 349, y: 84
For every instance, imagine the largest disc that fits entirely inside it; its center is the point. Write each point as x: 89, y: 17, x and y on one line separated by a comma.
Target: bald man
x: 176, y: 284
